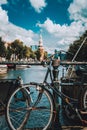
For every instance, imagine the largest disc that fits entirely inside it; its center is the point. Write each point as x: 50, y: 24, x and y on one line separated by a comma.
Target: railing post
x: 56, y: 123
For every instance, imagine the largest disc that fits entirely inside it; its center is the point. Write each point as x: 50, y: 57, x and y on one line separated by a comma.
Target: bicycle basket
x: 7, y: 86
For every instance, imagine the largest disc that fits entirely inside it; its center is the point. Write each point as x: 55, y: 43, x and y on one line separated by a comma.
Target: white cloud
x: 3, y: 2
x: 57, y: 30
x: 38, y: 5
x: 3, y: 16
x: 64, y: 34
x: 9, y: 32
x: 78, y: 10
x: 58, y: 36
x: 49, y: 26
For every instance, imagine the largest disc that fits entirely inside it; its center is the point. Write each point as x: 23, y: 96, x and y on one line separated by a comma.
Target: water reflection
x: 35, y: 73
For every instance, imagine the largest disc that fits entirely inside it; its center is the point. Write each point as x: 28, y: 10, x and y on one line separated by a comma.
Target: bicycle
x: 32, y: 105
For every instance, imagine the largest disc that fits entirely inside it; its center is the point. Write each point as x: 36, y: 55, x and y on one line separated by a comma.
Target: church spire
x: 40, y: 41
x: 41, y: 48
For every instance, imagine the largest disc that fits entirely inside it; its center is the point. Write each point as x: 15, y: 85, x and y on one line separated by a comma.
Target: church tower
x: 41, y: 48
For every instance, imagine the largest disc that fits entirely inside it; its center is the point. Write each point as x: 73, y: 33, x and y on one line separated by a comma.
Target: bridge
x: 12, y: 64
x: 39, y: 63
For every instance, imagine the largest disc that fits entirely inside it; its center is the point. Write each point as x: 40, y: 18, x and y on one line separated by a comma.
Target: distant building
x: 34, y: 47
x: 7, y: 44
x: 39, y: 47
x: 63, y: 56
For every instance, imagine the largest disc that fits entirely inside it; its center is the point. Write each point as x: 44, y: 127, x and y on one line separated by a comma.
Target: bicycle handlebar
x: 52, y: 58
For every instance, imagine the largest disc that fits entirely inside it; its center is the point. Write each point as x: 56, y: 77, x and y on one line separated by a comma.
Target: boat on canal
x: 3, y: 69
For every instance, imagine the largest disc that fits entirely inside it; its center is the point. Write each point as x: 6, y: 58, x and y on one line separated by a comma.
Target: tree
x: 9, y: 53
x: 38, y: 54
x: 82, y: 55
x: 17, y: 48
x: 45, y: 54
x: 33, y: 55
x: 26, y: 52
x: 2, y: 48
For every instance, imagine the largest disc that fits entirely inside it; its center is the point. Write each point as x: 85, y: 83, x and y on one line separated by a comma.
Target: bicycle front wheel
x: 36, y: 111
x: 16, y: 113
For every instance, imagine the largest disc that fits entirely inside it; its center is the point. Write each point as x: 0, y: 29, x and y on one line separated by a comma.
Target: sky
x: 59, y: 21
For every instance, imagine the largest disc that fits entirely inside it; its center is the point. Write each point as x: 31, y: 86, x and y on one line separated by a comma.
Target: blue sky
x: 60, y: 21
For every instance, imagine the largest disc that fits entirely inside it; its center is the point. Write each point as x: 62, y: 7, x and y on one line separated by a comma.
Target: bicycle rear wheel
x: 83, y: 99
x: 83, y: 105
x: 36, y: 111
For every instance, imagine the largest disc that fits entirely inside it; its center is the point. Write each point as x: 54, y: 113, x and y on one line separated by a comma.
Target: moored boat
x: 22, y: 66
x: 3, y: 69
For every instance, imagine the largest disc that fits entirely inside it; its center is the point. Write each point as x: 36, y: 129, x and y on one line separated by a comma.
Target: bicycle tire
x: 14, y: 105
x: 39, y: 110
x: 83, y: 99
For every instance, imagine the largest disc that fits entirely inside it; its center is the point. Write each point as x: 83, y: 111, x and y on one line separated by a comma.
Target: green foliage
x: 32, y: 55
x: 38, y: 54
x: 20, y: 51
x: 82, y: 55
x: 26, y: 52
x: 45, y: 54
x: 17, y: 51
x: 17, y: 48
x: 2, y: 48
x: 9, y: 53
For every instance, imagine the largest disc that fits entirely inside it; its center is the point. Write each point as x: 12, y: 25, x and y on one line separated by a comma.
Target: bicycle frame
x: 68, y: 100
x: 56, y: 91
x: 40, y: 97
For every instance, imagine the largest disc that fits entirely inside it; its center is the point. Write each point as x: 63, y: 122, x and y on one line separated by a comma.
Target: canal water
x: 34, y: 73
